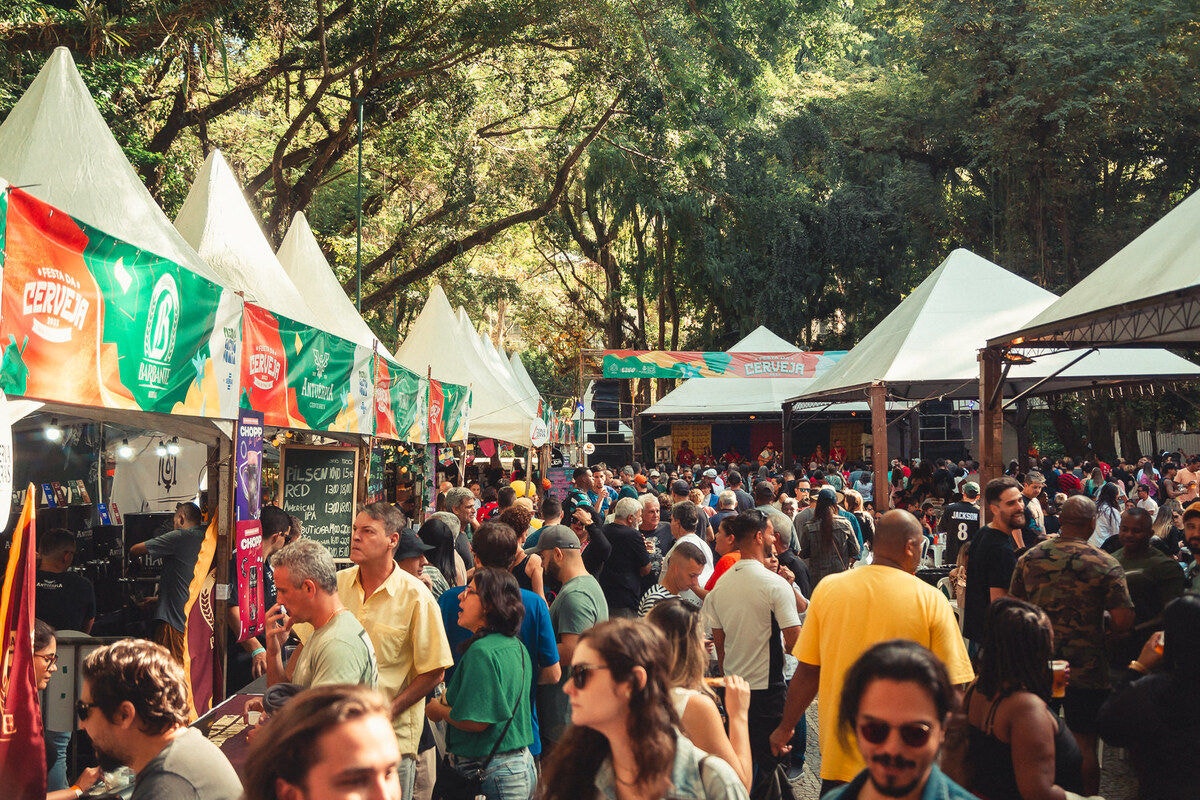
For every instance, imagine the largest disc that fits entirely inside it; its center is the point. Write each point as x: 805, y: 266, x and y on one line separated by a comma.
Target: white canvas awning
x: 56, y: 146
x: 1148, y: 293
x: 302, y: 259
x: 739, y: 397
x: 217, y: 221
x: 928, y: 346
x: 437, y: 342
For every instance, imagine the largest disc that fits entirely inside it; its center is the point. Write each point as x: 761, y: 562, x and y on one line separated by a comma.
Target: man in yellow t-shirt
x: 849, y: 613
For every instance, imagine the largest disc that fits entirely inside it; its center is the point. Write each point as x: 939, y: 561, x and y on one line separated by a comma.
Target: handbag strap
x: 520, y: 696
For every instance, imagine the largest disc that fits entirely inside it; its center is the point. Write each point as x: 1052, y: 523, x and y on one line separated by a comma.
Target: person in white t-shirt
x: 1144, y: 500
x: 753, y: 616
x: 683, y: 522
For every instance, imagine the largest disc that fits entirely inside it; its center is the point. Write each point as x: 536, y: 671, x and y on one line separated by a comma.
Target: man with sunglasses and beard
x: 133, y: 705
x: 895, y: 704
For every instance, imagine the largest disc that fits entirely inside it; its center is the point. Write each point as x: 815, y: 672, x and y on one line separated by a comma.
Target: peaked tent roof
x: 302, y: 259
x: 523, y: 379
x: 1149, y: 292
x: 218, y: 222
x: 55, y: 144
x: 437, y: 342
x: 529, y: 400
x: 737, y: 396
x: 928, y: 346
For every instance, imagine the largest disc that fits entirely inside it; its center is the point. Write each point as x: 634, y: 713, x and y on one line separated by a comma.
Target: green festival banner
x: 91, y: 320
x: 302, y: 377
x: 687, y: 365
x: 399, y: 397
x: 456, y: 407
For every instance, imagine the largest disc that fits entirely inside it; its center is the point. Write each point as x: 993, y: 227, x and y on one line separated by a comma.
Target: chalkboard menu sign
x: 319, y: 487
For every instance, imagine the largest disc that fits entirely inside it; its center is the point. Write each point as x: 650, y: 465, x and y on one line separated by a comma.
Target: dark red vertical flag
x: 22, y: 748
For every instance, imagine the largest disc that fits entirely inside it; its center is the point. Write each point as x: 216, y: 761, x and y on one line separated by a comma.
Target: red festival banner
x: 22, y: 747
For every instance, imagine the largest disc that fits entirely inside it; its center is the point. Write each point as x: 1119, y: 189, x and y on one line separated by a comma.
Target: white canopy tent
x: 928, y: 346
x: 302, y: 259
x: 437, y: 343
x: 1148, y: 293
x: 56, y: 146
x: 523, y: 379
x: 217, y: 221
x: 737, y: 397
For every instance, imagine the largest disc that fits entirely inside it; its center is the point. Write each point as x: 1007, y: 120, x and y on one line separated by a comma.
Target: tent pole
x: 785, y: 445
x: 877, y: 395
x: 991, y: 416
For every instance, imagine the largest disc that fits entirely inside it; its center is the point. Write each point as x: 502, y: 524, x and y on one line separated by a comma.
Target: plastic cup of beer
x: 1059, y: 672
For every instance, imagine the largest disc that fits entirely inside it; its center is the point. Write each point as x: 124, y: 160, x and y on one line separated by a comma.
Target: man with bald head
x: 1077, y: 585
x: 849, y: 613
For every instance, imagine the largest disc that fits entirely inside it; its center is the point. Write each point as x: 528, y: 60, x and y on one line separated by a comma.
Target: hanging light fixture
x: 125, y: 450
x: 53, y: 432
x: 160, y: 449
x: 173, y: 446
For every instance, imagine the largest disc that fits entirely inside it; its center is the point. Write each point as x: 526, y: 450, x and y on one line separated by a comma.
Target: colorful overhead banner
x: 688, y: 364
x: 92, y: 320
x: 301, y: 377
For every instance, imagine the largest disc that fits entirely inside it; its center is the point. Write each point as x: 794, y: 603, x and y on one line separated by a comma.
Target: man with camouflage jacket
x: 1076, y: 584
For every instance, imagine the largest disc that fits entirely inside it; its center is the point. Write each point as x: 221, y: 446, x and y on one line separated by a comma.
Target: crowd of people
x: 661, y: 632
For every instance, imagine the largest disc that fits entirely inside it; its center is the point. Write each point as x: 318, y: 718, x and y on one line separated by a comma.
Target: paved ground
x: 1117, y: 781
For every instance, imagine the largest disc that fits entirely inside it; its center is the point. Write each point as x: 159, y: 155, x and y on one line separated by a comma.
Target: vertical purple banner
x: 247, y: 465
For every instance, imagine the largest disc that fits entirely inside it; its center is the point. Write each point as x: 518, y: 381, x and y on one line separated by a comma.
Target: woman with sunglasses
x: 486, y: 704
x: 1017, y: 747
x: 623, y: 740
x: 45, y: 664
x: 695, y: 703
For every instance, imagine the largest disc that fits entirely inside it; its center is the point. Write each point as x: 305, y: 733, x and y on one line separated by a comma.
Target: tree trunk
x: 1131, y: 450
x: 1064, y: 428
x: 1100, y: 432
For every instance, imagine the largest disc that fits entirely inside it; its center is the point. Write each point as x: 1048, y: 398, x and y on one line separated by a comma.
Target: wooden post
x: 877, y: 395
x: 991, y: 417
x: 221, y: 480
x: 785, y: 446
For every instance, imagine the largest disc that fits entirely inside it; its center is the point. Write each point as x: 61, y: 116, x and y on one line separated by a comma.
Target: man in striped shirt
x: 684, y: 565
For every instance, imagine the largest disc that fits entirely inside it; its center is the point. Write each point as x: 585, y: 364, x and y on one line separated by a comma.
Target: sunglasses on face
x: 913, y: 734
x: 83, y: 710
x: 580, y: 674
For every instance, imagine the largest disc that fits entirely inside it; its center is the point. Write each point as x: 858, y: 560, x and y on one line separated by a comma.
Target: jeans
x: 56, y: 760
x: 510, y: 776
x: 408, y: 776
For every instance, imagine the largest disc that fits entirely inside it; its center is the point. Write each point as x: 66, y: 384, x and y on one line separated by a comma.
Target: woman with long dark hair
x: 695, y: 703
x: 45, y: 664
x: 827, y: 541
x: 438, y: 535
x: 486, y: 704
x: 1155, y: 710
x: 1108, y: 515
x: 623, y: 740
x: 1018, y: 748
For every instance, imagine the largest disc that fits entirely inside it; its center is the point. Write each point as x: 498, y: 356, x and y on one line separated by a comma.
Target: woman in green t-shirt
x: 486, y: 704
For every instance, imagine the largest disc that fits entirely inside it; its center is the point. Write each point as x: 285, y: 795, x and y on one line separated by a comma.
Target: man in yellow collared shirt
x: 402, y: 618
